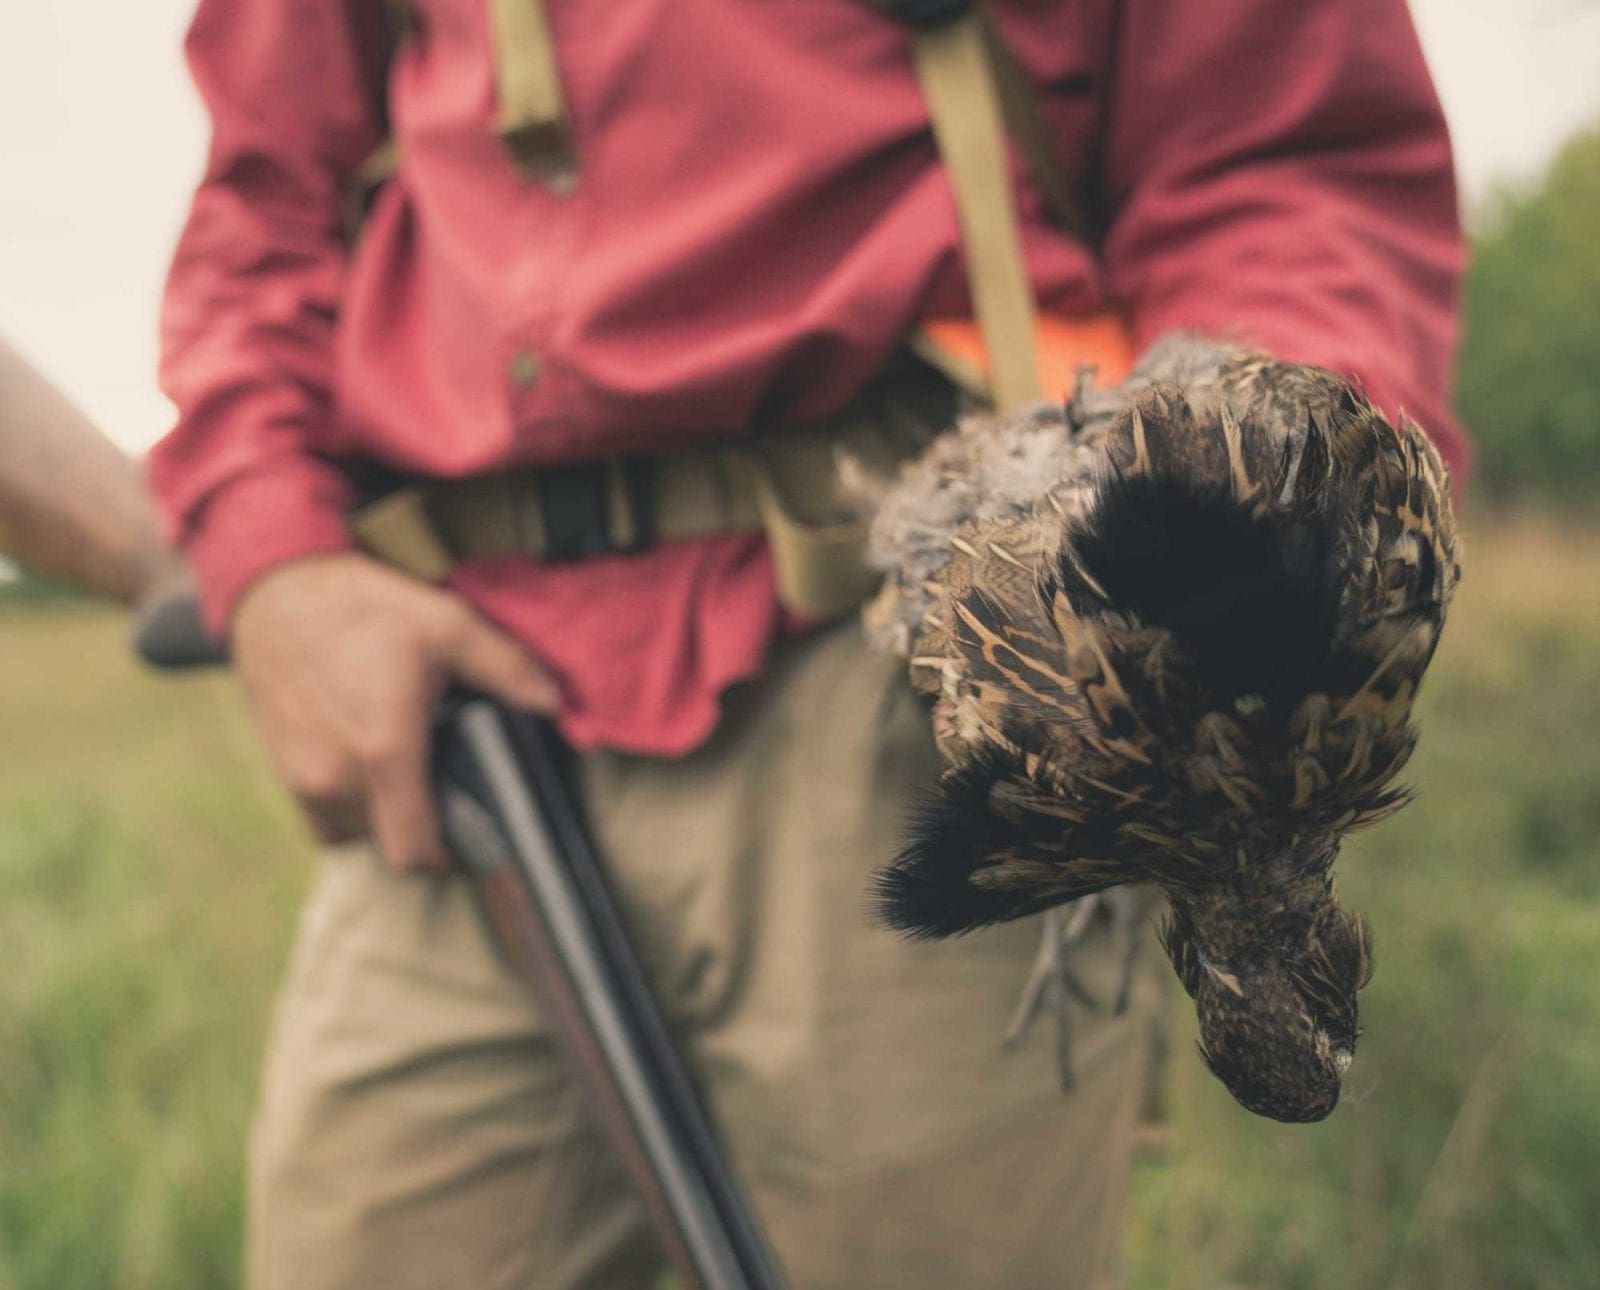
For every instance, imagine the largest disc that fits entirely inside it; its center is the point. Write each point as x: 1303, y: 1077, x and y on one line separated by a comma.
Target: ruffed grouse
x: 1174, y: 631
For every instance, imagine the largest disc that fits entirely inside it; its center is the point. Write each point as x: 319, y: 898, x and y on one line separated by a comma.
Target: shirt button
x: 524, y: 369
x: 561, y: 181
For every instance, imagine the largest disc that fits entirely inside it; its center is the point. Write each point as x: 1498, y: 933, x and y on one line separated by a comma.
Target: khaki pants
x: 417, y: 1128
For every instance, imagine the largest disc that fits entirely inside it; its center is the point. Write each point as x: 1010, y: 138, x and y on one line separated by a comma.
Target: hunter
x: 618, y: 253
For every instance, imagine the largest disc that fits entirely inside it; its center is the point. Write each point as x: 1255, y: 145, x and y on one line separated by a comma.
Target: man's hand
x: 342, y: 660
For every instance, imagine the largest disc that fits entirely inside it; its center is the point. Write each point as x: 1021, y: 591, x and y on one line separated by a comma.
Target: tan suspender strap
x: 532, y: 110
x: 964, y: 106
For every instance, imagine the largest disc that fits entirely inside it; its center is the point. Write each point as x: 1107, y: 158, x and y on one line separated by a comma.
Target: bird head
x: 1275, y: 996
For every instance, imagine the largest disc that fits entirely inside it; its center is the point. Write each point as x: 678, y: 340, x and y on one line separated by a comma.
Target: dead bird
x: 1173, y: 632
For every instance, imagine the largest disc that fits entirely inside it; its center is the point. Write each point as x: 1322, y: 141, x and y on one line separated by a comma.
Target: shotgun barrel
x: 510, y: 817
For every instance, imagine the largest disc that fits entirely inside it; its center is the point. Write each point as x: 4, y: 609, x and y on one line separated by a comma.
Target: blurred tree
x: 1529, y: 382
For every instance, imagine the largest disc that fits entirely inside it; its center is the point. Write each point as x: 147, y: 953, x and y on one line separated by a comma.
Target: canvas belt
x: 786, y: 485
x: 615, y: 506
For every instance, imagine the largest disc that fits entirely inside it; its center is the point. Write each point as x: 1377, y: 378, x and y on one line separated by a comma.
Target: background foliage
x: 1529, y: 375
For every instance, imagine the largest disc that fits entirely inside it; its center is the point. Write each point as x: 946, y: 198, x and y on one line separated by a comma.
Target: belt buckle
x: 589, y: 509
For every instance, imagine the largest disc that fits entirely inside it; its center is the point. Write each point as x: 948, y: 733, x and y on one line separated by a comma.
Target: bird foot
x: 1052, y: 984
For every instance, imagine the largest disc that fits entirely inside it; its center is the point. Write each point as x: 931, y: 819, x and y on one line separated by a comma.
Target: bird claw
x: 1053, y: 984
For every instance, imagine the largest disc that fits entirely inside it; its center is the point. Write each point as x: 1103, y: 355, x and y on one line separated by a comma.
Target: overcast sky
x: 101, y: 138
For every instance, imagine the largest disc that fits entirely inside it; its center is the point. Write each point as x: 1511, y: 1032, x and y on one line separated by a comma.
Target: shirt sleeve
x: 1280, y: 171
x: 294, y: 95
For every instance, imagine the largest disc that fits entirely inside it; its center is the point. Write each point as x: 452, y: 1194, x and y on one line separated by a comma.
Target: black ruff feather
x: 953, y: 831
x: 1251, y: 599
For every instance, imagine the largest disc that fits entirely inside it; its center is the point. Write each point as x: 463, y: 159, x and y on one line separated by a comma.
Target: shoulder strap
x: 532, y: 117
x: 532, y: 121
x: 964, y: 108
x: 964, y: 71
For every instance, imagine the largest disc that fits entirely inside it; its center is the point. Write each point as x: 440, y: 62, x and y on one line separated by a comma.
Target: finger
x: 488, y: 659
x: 405, y: 824
x: 329, y: 791
x: 336, y: 822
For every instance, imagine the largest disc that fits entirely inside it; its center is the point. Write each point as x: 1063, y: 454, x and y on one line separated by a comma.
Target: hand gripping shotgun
x: 72, y: 506
x: 510, y: 818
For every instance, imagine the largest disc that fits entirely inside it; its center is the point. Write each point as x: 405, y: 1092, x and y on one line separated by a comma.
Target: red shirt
x: 759, y: 218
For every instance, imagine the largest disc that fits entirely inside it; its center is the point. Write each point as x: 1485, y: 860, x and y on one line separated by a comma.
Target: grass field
x: 149, y: 873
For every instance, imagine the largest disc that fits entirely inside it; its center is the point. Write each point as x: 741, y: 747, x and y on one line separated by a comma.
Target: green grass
x: 149, y: 873
x: 148, y: 878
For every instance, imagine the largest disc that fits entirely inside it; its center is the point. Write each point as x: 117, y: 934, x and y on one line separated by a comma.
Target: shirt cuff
x: 258, y: 521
